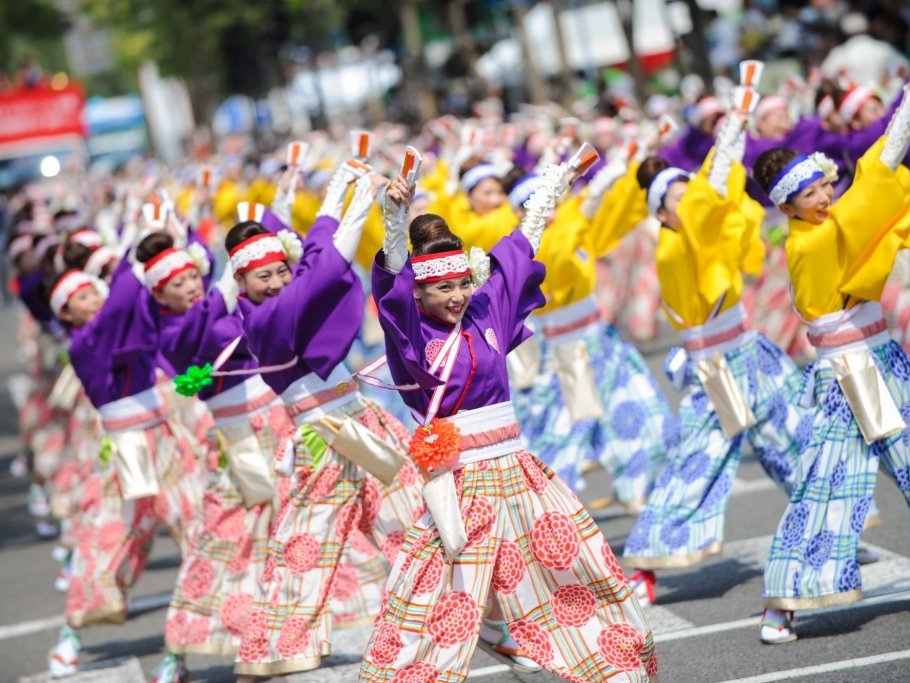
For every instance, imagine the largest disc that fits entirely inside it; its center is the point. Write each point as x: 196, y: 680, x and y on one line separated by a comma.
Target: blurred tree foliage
x: 30, y: 29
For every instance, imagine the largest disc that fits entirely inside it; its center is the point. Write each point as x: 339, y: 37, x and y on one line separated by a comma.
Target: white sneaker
x: 777, y: 627
x: 64, y: 577
x: 866, y: 556
x: 46, y: 529
x: 63, y: 659
x: 171, y: 669
x: 37, y: 502
x: 495, y: 639
x: 18, y: 468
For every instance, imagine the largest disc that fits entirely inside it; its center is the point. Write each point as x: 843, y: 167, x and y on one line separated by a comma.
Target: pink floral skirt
x: 316, y: 554
x: 115, y: 536
x: 532, y: 546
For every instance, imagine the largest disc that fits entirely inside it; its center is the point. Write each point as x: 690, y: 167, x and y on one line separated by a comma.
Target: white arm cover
x: 395, y: 244
x: 542, y: 202
x: 898, y: 133
x: 724, y: 155
x: 228, y: 287
x: 283, y: 203
x: 602, y: 181
x: 347, y: 235
x: 333, y: 204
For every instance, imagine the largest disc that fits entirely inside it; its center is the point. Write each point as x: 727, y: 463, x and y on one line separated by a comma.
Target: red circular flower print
x: 407, y: 475
x: 453, y: 620
x: 420, y: 672
x: 197, y: 631
x: 429, y: 574
x: 242, y: 555
x: 175, y: 629
x: 612, y: 564
x: 234, y: 612
x: 386, y: 644
x: 479, y: 521
x: 345, y: 582
x: 651, y: 666
x: 111, y: 535
x: 269, y: 572
x: 294, y: 637
x: 554, y: 541
x: 198, y: 579
x: 391, y: 545
x: 230, y: 524
x: 509, y: 568
x: 362, y: 545
x: 370, y: 499
x: 301, y: 553
x: 534, y: 477
x: 620, y: 644
x: 347, y: 520
x: 255, y: 643
x: 533, y: 639
x: 573, y: 605
x: 325, y: 482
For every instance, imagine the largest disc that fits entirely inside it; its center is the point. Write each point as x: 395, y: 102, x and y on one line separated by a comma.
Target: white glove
x: 228, y: 287
x: 395, y: 243
x: 898, y: 133
x: 333, y: 204
x: 542, y: 202
x: 347, y: 235
x: 724, y: 150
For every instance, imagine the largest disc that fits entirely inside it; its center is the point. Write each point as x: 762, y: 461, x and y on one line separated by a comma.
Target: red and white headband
x: 442, y: 266
x: 87, y: 238
x: 67, y: 286
x: 853, y: 101
x: 769, y: 104
x: 261, y: 250
x: 165, y: 266
x: 20, y: 245
x: 98, y: 260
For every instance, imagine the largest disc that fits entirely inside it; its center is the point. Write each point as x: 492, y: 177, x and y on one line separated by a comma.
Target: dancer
x: 620, y: 420
x: 839, y: 258
x: 499, y: 520
x: 148, y: 468
x: 737, y: 384
x: 304, y: 333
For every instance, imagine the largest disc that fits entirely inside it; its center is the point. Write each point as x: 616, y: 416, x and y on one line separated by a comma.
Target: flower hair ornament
x: 479, y: 262
x: 261, y: 250
x: 795, y: 176
x: 826, y: 164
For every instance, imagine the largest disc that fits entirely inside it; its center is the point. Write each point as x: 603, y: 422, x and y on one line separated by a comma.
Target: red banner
x: 41, y: 112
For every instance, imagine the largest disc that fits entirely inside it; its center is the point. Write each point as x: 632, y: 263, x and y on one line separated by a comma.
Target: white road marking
x: 120, y: 670
x: 33, y: 626
x: 489, y: 670
x: 826, y: 668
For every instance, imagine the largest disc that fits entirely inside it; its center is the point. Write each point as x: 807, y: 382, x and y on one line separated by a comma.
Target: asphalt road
x: 706, y: 619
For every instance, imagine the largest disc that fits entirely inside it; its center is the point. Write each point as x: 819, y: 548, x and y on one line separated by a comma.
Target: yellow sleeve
x: 753, y: 245
x: 224, y: 203
x: 435, y: 181
x: 871, y: 225
x: 623, y: 207
x: 371, y: 241
x: 303, y: 213
x: 481, y: 231
x: 713, y: 228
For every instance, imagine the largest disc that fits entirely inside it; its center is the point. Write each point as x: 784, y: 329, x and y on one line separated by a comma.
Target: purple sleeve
x: 315, y: 318
x: 28, y: 293
x: 688, y: 152
x: 400, y: 321
x: 272, y: 223
x: 114, y: 354
x: 514, y: 287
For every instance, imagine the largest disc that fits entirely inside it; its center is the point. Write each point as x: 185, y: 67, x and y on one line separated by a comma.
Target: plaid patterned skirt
x: 289, y: 626
x: 533, y: 547
x: 218, y: 577
x: 630, y: 440
x: 812, y: 560
x: 115, y: 536
x: 683, y: 520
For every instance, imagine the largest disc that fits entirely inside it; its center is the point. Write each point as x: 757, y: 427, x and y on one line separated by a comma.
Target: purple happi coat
x: 492, y: 326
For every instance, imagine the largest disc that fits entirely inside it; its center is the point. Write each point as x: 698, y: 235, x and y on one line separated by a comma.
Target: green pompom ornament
x: 107, y: 447
x: 194, y: 380
x: 315, y: 444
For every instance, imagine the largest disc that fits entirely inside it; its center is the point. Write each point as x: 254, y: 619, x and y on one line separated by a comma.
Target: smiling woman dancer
x: 498, y: 518
x: 839, y: 258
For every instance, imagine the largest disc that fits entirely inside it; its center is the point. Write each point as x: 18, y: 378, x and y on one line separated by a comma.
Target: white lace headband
x: 523, y: 190
x: 657, y: 191
x: 260, y: 250
x: 796, y: 175
x: 476, y: 175
x: 441, y: 266
x: 166, y: 265
x: 853, y: 101
x: 98, y: 259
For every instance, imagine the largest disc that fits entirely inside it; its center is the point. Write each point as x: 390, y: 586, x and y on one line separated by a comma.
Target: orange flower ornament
x: 435, y: 446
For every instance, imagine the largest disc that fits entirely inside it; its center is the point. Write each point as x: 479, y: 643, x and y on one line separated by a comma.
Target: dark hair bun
x: 430, y: 234
x: 242, y: 232
x: 152, y: 245
x: 769, y: 165
x: 649, y: 169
